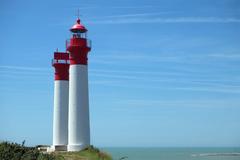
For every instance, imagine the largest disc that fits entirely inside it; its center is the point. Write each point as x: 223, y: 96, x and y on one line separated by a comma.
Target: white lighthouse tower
x: 60, y: 113
x: 78, y: 122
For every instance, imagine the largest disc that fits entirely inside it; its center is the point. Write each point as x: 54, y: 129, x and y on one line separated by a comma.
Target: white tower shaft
x: 60, y: 115
x: 79, y: 129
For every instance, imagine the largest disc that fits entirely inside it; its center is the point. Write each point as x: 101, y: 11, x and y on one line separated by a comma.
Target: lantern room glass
x: 79, y: 35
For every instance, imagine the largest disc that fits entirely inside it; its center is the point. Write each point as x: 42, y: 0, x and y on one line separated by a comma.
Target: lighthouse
x: 78, y: 118
x: 60, y: 113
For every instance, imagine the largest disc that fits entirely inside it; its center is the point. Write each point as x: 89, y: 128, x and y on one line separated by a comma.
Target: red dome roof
x: 78, y: 27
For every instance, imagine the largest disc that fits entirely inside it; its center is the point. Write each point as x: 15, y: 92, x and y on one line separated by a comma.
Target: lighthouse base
x: 76, y: 147
x: 57, y: 148
x: 60, y: 147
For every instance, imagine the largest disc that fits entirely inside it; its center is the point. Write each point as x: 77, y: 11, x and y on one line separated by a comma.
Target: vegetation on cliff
x: 14, y: 151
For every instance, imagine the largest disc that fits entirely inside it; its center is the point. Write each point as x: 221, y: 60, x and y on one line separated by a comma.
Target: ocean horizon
x: 174, y: 153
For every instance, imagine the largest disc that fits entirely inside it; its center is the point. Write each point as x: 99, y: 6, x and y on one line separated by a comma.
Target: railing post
x: 66, y: 45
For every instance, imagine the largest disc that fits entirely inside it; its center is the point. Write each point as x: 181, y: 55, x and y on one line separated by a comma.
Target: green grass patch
x: 90, y: 153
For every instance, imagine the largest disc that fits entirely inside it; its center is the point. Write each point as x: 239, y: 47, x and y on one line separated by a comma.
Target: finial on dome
x: 78, y: 27
x: 78, y: 20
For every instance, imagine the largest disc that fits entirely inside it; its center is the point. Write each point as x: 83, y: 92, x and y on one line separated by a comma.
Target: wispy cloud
x: 22, y: 72
x: 133, y: 57
x: 109, y: 7
x: 116, y: 76
x: 166, y: 75
x: 177, y: 103
x: 136, y: 15
x: 104, y: 82
x: 135, y: 19
x: 134, y: 72
x: 180, y: 82
x: 226, y: 56
x: 24, y: 68
x: 16, y: 72
x: 131, y: 7
x: 221, y: 89
x: 171, y: 57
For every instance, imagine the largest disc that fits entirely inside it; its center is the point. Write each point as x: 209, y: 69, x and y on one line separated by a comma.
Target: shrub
x: 14, y: 151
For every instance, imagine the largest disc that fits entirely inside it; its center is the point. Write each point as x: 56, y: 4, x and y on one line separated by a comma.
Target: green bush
x: 14, y: 151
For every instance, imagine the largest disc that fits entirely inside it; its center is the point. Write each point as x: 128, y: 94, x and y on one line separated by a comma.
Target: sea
x: 173, y: 153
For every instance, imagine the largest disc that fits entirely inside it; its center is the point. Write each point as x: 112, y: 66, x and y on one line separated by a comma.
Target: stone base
x: 57, y: 148
x: 76, y: 147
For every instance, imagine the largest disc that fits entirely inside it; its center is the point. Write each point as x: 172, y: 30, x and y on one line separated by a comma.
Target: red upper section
x: 78, y: 27
x: 79, y: 45
x: 61, y: 65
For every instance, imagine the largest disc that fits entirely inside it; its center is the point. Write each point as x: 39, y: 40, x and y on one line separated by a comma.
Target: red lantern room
x: 79, y: 45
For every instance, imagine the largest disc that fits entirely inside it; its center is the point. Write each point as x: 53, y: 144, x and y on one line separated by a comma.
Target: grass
x: 90, y: 153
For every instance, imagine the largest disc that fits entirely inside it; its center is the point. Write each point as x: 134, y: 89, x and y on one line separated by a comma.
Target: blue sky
x: 161, y: 73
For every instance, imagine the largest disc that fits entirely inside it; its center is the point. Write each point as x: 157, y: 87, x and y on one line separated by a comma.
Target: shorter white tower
x: 60, y: 113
